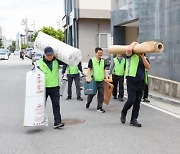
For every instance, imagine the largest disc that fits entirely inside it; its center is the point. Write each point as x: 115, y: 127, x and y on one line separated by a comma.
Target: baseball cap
x: 48, y: 51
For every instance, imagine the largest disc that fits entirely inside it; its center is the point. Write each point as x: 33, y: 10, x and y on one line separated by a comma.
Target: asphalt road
x: 86, y: 131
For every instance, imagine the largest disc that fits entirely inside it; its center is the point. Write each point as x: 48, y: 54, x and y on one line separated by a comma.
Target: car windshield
x: 29, y: 49
x: 2, y: 52
x: 38, y: 55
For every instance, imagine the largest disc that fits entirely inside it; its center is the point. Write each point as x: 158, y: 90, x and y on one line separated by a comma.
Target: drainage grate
x: 73, y: 121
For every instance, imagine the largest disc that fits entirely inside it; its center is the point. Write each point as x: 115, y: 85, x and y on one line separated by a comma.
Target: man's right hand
x: 129, y: 50
x: 89, y: 80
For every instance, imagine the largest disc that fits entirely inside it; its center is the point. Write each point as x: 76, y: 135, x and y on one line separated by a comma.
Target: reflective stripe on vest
x: 51, y: 77
x: 118, y: 66
x: 98, y: 69
x: 72, y: 70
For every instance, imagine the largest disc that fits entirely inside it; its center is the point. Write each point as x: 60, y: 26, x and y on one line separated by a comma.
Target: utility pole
x: 25, y: 23
x: 59, y: 24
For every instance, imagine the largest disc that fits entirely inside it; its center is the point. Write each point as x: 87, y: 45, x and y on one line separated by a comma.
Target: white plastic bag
x: 34, y: 114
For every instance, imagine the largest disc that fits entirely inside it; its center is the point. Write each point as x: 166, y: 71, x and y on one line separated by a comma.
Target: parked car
x: 4, y: 54
x: 36, y: 57
x: 16, y: 52
x: 27, y: 52
x: 8, y: 52
x: 31, y: 54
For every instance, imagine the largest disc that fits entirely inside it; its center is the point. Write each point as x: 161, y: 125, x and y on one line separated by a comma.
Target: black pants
x: 134, y: 98
x: 77, y: 83
x: 55, y: 98
x: 146, y: 91
x: 100, y: 96
x: 118, y: 80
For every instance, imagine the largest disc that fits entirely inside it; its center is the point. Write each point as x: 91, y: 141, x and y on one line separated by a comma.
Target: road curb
x: 165, y: 99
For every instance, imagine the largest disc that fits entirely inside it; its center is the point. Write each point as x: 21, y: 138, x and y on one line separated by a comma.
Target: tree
x: 58, y: 34
x: 12, y: 47
x: 1, y: 43
x: 24, y: 46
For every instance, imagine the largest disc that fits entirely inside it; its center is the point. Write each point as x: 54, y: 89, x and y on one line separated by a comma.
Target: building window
x: 103, y: 40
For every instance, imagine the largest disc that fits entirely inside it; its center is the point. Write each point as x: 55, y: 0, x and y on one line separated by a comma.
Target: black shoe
x: 87, y: 105
x: 123, y: 118
x: 135, y: 123
x: 101, y: 110
x: 146, y: 100
x: 120, y: 99
x: 79, y: 98
x: 115, y: 97
x: 58, y: 125
x: 69, y: 97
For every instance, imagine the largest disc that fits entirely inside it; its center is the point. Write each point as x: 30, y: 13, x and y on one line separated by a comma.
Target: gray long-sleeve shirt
x: 112, y: 65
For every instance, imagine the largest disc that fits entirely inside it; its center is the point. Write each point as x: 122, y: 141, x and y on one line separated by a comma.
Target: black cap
x: 48, y: 51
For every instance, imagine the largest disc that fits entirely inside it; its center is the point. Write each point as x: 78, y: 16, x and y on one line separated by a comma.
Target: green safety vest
x: 51, y: 77
x: 132, y: 66
x: 98, y: 69
x: 72, y: 70
x: 146, y: 77
x: 118, y: 67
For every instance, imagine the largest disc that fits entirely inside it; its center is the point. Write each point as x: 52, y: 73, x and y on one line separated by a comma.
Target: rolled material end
x: 159, y: 47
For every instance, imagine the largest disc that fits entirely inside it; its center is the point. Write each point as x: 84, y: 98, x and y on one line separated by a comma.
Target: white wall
x: 95, y: 4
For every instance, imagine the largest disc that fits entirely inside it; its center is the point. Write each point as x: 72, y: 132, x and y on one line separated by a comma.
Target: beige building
x: 87, y: 25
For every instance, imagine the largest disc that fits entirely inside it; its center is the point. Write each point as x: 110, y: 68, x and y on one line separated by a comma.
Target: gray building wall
x: 158, y: 20
x: 88, y: 30
x: 83, y: 22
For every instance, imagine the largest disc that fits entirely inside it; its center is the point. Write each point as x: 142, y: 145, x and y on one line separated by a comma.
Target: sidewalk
x: 164, y: 98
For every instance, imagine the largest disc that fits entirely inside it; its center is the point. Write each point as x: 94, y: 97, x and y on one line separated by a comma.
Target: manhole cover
x: 73, y: 121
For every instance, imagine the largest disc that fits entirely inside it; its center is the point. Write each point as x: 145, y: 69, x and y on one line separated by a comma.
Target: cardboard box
x: 108, y: 88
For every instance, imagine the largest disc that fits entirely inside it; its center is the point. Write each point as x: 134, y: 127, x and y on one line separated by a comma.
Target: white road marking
x: 162, y: 110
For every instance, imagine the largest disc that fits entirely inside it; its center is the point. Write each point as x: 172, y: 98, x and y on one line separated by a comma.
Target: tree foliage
x: 12, y: 47
x: 24, y: 46
x: 1, y: 43
x: 58, y: 34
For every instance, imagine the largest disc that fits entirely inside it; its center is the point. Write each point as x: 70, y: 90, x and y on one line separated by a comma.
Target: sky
x: 38, y: 13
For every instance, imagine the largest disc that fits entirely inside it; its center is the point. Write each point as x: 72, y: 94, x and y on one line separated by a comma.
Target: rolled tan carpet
x: 145, y: 47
